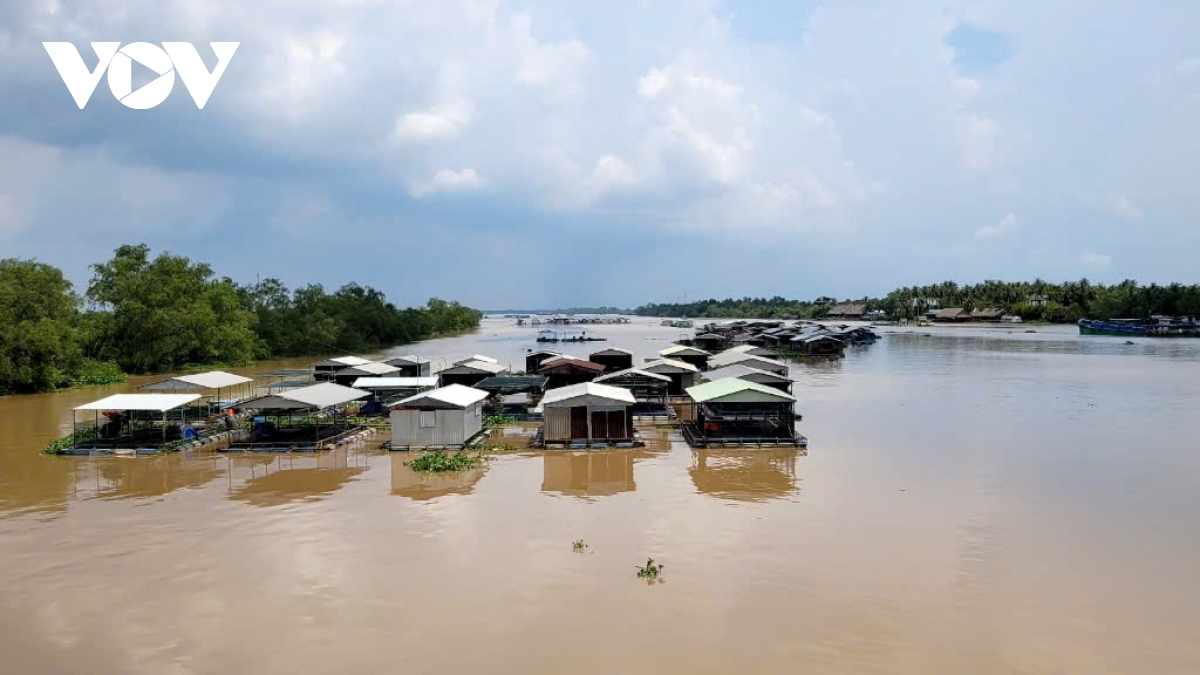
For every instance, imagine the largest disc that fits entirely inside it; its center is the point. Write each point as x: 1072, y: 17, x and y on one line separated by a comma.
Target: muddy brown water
x: 973, y: 500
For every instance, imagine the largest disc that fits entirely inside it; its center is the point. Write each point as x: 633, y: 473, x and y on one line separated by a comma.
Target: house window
x: 428, y: 419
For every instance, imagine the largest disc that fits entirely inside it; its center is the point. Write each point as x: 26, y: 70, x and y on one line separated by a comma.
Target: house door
x: 579, y: 422
x: 616, y: 424
x: 600, y: 424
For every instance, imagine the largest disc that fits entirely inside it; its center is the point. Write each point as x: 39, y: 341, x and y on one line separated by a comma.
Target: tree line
x: 142, y: 314
x: 1036, y: 300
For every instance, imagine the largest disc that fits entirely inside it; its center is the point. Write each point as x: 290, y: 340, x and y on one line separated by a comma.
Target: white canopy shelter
x: 213, y: 379
x: 140, y: 402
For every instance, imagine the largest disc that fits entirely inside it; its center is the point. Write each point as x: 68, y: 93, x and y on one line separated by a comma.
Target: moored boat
x: 1153, y: 327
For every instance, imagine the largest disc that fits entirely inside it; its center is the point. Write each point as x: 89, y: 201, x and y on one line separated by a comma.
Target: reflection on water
x: 423, y: 485
x: 267, y: 481
x: 749, y: 475
x: 588, y: 474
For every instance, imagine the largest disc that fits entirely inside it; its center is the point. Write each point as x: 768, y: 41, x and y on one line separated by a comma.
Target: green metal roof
x: 743, y: 390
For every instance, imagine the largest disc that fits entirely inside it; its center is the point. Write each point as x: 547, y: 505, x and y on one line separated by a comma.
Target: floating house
x: 534, y: 359
x: 737, y: 412
x: 513, y: 394
x: 219, y: 387
x: 754, y: 350
x: 682, y: 374
x: 134, y: 423
x: 324, y: 370
x: 649, y: 389
x: 566, y: 372
x: 469, y: 373
x: 446, y: 417
x: 613, y: 359
x: 733, y: 358
x: 770, y: 379
x: 322, y: 419
x: 385, y: 390
x: 588, y: 412
x: 347, y: 376
x: 710, y: 342
x: 411, y: 365
x: 818, y: 344
x: 693, y: 355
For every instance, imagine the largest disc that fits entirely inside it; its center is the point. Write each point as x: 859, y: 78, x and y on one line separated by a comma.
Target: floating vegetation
x: 439, y: 461
x: 579, y: 546
x: 650, y: 570
x: 493, y: 421
x: 71, y: 440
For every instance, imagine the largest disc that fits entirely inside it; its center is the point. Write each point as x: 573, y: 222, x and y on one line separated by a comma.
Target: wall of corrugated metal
x: 558, y: 423
x: 450, y: 427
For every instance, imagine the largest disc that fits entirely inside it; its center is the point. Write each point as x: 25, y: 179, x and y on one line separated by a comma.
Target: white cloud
x: 441, y: 121
x: 1096, y: 260
x: 611, y: 172
x: 448, y: 181
x: 1117, y: 204
x: 546, y: 62
x: 652, y: 83
x: 1006, y: 226
x: 721, y: 161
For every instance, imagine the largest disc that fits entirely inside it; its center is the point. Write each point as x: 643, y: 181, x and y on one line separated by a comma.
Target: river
x: 973, y: 500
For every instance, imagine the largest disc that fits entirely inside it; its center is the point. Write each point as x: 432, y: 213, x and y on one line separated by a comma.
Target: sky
x: 553, y: 154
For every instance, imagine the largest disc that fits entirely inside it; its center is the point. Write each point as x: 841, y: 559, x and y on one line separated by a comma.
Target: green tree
x: 39, y: 341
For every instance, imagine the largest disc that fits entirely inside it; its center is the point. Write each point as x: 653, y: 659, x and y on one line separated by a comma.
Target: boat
x: 1153, y: 327
x: 577, y: 338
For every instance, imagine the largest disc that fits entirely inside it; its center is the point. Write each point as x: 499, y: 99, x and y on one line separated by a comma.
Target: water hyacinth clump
x: 439, y: 461
x: 579, y: 546
x: 650, y: 570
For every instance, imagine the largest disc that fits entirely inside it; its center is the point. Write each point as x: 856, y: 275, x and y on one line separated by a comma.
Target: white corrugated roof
x: 632, y: 371
x: 395, y: 382
x: 154, y: 402
x: 678, y: 365
x: 588, y: 389
x: 476, y: 357
x: 455, y: 395
x: 683, y: 350
x: 483, y: 366
x: 609, y: 351
x: 729, y: 359
x: 740, y: 370
x: 318, y: 396
x: 213, y: 379
x: 370, y: 368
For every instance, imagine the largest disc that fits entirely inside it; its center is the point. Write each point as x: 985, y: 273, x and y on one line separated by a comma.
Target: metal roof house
x: 770, y: 379
x: 649, y: 389
x: 733, y: 411
x: 612, y: 358
x: 710, y: 342
x: 818, y: 344
x: 588, y: 412
x: 388, y: 389
x: 534, y: 359
x: 751, y: 349
x: 411, y: 365
x: 347, y: 376
x: 469, y: 373
x: 477, y: 357
x: 732, y: 358
x: 566, y: 372
x: 682, y: 374
x: 324, y: 370
x: 444, y: 418
x: 693, y: 355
